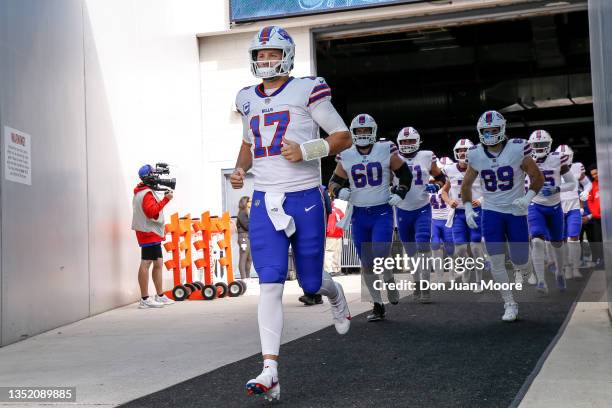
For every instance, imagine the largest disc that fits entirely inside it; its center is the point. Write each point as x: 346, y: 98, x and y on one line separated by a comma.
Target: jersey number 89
x: 502, y: 179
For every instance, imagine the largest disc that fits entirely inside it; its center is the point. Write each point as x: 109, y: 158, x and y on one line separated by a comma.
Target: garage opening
x: 536, y: 71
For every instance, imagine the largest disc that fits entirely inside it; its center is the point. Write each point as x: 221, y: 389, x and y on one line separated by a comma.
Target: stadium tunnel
x: 439, y: 79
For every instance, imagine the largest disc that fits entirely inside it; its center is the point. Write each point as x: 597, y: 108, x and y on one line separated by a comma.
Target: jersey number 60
x: 372, y: 176
x: 282, y: 120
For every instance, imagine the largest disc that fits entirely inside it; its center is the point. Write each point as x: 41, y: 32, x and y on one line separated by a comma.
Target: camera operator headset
x: 148, y: 222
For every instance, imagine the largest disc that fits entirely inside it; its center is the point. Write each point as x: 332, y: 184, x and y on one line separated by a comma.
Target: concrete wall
x: 102, y: 86
x: 600, y: 26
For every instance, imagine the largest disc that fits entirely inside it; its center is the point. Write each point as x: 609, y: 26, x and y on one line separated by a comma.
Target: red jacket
x: 151, y: 208
x: 593, y: 201
x: 333, y: 231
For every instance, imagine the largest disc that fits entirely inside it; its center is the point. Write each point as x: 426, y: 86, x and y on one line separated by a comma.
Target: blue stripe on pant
x: 372, y: 230
x: 414, y: 229
x: 501, y: 228
x: 269, y: 248
x: 462, y: 234
x: 441, y: 234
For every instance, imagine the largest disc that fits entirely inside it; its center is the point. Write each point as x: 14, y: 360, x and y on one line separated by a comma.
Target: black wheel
x: 192, y: 287
x: 222, y: 289
x: 234, y: 289
x: 243, y: 285
x: 209, y: 292
x: 180, y: 293
x: 199, y: 285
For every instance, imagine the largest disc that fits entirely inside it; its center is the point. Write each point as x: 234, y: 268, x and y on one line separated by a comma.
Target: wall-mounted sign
x: 17, y: 156
x: 252, y: 10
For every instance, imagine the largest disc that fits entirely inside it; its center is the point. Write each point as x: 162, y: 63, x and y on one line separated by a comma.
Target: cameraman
x: 148, y: 222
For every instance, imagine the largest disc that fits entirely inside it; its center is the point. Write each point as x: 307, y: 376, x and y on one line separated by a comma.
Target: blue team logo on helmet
x: 283, y: 33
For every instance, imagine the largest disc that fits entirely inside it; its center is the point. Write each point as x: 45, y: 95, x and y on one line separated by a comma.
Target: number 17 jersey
x: 501, y: 177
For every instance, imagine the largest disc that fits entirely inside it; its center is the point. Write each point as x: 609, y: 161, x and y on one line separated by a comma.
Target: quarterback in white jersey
x: 367, y: 165
x: 570, y: 203
x: 451, y: 193
x: 414, y: 211
x: 281, y: 145
x: 545, y: 213
x: 502, y: 165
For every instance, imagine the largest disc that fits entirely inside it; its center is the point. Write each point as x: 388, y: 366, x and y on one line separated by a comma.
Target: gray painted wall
x: 600, y: 22
x: 44, y: 260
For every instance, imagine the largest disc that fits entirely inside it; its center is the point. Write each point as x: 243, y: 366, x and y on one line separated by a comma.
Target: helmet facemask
x: 492, y: 135
x: 540, y: 149
x: 266, y: 69
x: 363, y: 136
x: 461, y: 154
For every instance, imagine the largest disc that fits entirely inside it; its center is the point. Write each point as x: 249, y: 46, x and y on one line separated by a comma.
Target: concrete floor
x: 578, y: 371
x: 126, y: 353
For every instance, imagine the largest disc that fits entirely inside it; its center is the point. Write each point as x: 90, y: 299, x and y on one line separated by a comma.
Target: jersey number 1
x: 282, y: 122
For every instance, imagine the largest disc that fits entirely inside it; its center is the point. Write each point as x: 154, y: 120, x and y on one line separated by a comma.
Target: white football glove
x: 584, y: 196
x: 344, y: 194
x: 470, y: 216
x: 394, y: 200
x: 521, y: 204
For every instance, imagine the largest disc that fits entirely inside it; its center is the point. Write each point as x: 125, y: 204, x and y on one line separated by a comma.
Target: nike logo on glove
x: 309, y: 208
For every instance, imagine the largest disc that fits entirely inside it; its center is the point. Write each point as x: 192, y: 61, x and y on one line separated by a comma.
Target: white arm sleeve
x: 326, y: 116
x: 569, y: 182
x: 586, y: 184
x: 245, y: 130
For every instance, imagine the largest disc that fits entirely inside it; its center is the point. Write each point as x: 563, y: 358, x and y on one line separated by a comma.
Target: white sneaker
x: 340, y: 311
x: 265, y: 384
x: 532, y: 279
x: 510, y: 312
x: 567, y: 271
x: 165, y: 300
x: 518, y: 277
x: 467, y: 275
x: 149, y: 303
x: 542, y: 288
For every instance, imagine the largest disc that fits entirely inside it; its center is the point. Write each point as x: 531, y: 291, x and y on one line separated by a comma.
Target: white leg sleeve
x: 538, y: 257
x: 573, y: 249
x: 559, y: 259
x: 438, y: 269
x: 500, y: 275
x: 270, y: 317
x: 368, y: 279
x: 328, y: 287
x: 478, y: 252
x: 425, y: 267
x: 550, y: 253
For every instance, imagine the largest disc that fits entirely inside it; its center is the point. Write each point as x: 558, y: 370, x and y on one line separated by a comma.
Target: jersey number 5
x: 281, y: 119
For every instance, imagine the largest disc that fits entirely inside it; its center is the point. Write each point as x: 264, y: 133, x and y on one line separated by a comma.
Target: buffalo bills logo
x: 361, y: 120
x: 283, y: 33
x: 246, y: 108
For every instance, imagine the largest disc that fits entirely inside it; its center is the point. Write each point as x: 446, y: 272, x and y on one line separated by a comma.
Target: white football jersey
x: 420, y: 166
x: 369, y: 174
x: 455, y: 177
x: 283, y: 114
x: 570, y: 199
x: 551, y: 169
x: 439, y: 208
x: 502, y: 179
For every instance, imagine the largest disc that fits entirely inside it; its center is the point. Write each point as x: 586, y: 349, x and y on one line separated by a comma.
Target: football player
x: 281, y: 117
x: 442, y: 244
x: 414, y: 211
x: 545, y: 212
x: 501, y: 165
x: 451, y: 193
x: 367, y: 167
x: 570, y: 202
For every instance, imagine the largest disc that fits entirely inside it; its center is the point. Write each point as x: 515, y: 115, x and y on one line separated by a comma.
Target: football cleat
x: 478, y: 281
x: 425, y: 296
x: 532, y: 279
x: 576, y: 274
x: 340, y: 311
x: 542, y: 288
x: 265, y: 384
x: 378, y: 313
x: 510, y: 312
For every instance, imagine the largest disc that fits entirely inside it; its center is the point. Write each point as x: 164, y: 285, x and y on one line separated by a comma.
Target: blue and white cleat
x: 561, y: 282
x: 265, y: 384
x: 542, y: 288
x: 340, y: 312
